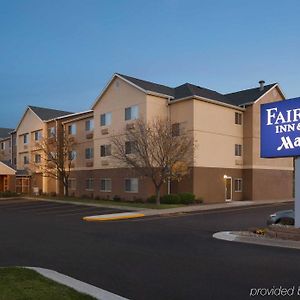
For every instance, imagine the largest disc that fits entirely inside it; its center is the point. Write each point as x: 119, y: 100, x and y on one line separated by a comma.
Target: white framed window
x: 105, y: 119
x: 37, y: 158
x: 51, y: 132
x: 72, y: 183
x: 238, y: 118
x: 72, y: 155
x: 72, y: 129
x: 132, y: 113
x: 105, y: 185
x: 131, y: 185
x: 105, y: 150
x: 25, y: 138
x: 89, y: 153
x: 238, y: 150
x: 89, y: 125
x: 238, y: 185
x: 37, y: 135
x: 89, y: 184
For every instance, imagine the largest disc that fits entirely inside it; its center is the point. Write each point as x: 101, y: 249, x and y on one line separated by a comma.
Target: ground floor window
x: 131, y: 185
x: 105, y: 185
x: 238, y: 185
x: 72, y: 183
x: 89, y: 184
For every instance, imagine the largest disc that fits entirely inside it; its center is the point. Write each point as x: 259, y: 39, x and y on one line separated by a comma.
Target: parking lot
x: 55, y: 209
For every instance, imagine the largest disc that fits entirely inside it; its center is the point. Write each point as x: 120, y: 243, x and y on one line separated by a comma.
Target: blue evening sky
x: 60, y: 54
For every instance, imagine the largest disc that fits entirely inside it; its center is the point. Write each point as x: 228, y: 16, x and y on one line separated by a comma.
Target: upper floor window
x: 26, y: 160
x: 37, y: 158
x: 51, y: 132
x: 175, y: 129
x: 89, y: 125
x: 131, y: 113
x: 37, y: 135
x: 130, y: 147
x: 89, y: 153
x: 72, y: 129
x: 105, y: 150
x: 2, y: 146
x: 25, y: 138
x: 72, y: 155
x: 238, y: 118
x: 131, y: 185
x: 105, y: 119
x: 238, y: 150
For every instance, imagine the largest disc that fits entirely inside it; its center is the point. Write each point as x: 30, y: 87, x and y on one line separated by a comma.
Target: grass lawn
x: 21, y: 284
x: 117, y: 203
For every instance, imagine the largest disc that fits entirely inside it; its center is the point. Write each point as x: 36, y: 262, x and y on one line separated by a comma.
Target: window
x: 105, y: 119
x: 51, y: 132
x: 238, y: 150
x: 105, y: 185
x: 89, y: 153
x: 131, y: 113
x: 37, y: 158
x: 238, y: 185
x: 89, y: 184
x: 105, y: 150
x: 72, y: 155
x: 26, y: 160
x: 72, y: 183
x: 2, y: 146
x: 37, y: 135
x: 25, y: 138
x: 129, y: 147
x: 131, y: 185
x: 175, y: 129
x: 89, y: 125
x: 72, y: 129
x: 238, y: 118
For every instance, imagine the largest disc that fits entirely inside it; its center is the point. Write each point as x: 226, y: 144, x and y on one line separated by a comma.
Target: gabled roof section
x: 6, y: 168
x: 5, y: 132
x: 46, y: 114
x: 149, y: 86
x: 248, y: 96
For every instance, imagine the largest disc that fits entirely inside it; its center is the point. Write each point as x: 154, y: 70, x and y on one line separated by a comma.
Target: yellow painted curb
x: 95, y: 219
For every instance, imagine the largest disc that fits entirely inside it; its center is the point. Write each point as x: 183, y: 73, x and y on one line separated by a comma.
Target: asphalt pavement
x: 159, y: 257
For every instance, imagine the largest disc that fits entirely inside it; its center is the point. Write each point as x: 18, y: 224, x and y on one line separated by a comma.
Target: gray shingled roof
x: 188, y: 90
x: 5, y: 132
x: 248, y: 96
x: 46, y: 114
x: 8, y: 163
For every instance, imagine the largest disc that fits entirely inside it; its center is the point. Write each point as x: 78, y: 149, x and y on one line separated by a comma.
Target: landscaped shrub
x: 187, y: 198
x: 8, y: 194
x: 152, y: 199
x: 170, y: 199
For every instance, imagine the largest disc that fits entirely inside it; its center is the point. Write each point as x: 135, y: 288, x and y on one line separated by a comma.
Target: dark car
x: 284, y: 217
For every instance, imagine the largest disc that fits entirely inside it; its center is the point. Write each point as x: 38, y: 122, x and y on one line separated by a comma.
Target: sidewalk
x: 185, y: 209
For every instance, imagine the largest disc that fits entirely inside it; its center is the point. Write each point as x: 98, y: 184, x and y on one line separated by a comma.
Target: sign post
x: 280, y: 137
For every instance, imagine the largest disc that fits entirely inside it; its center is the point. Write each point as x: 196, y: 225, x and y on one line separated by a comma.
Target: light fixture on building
x: 225, y: 176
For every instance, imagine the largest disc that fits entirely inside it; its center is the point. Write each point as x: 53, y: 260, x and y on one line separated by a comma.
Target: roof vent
x: 261, y: 85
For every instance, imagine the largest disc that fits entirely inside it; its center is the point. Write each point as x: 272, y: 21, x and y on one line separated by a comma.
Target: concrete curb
x: 234, y: 236
x: 77, y: 285
x: 112, y: 217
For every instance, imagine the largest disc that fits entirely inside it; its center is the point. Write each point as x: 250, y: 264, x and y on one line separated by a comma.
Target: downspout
x: 169, y: 120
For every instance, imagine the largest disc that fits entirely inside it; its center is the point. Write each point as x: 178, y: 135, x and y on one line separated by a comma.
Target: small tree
x: 154, y: 151
x: 56, y: 159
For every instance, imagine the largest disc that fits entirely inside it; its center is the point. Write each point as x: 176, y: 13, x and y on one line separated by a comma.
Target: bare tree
x: 155, y: 151
x: 56, y: 158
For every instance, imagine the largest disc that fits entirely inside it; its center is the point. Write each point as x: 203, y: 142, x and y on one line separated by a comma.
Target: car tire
x: 285, y: 221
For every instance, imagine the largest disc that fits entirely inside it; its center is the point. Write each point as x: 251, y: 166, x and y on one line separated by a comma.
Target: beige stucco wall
x: 29, y: 124
x: 117, y: 97
x: 6, y: 153
x: 254, y: 161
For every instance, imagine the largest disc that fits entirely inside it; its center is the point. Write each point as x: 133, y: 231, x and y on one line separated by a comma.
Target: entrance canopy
x: 6, y: 169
